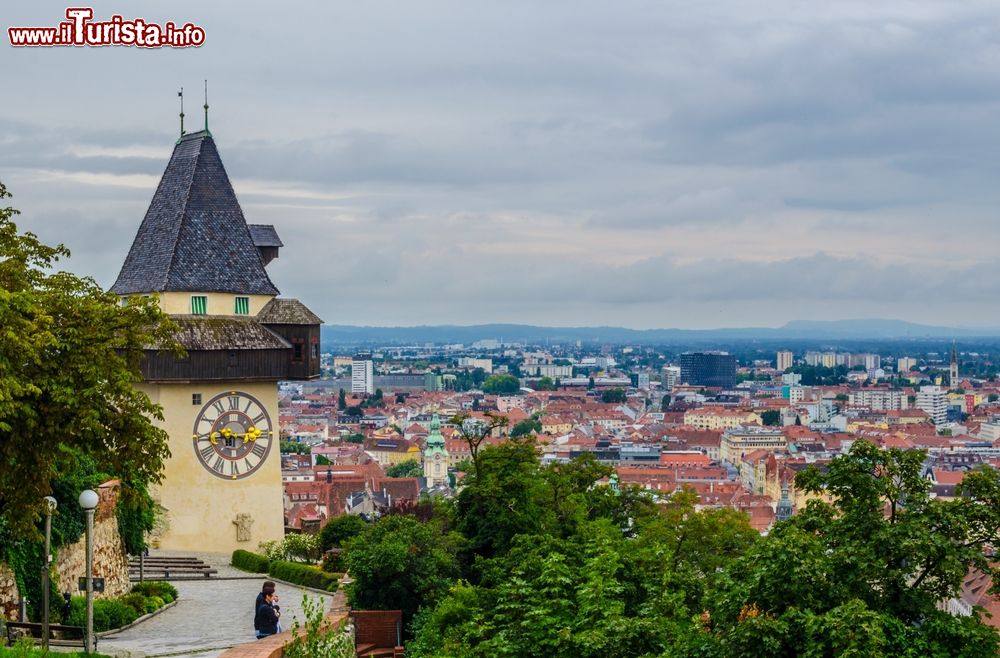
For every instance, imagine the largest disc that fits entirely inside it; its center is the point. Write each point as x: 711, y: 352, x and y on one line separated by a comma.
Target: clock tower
x: 195, y: 252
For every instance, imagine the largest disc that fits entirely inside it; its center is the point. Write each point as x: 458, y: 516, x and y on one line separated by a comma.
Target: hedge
x: 114, y: 613
x: 303, y: 574
x: 108, y: 613
x: 252, y: 562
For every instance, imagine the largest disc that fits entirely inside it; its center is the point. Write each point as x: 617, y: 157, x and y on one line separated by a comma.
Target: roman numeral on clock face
x: 219, y: 465
x: 259, y: 450
x: 234, y: 403
x: 206, y: 453
x: 221, y: 408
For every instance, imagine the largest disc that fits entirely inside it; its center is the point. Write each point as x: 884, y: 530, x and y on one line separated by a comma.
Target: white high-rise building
x: 905, y: 364
x: 933, y: 400
x: 362, y: 374
x: 785, y: 360
x: 873, y: 362
x: 671, y: 377
x: 879, y: 399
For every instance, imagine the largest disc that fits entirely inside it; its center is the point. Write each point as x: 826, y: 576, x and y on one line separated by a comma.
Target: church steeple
x: 435, y: 455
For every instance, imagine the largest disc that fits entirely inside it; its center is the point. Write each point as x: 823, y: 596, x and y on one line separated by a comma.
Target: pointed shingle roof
x: 194, y: 237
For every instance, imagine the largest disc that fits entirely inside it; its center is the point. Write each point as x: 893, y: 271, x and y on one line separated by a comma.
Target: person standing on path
x: 266, y: 619
x: 267, y: 588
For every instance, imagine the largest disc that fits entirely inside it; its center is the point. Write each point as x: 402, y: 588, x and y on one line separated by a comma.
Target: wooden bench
x: 172, y: 573
x: 59, y: 635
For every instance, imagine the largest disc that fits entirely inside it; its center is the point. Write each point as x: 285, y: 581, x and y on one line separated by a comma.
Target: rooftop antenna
x: 206, y: 105
x: 181, y: 95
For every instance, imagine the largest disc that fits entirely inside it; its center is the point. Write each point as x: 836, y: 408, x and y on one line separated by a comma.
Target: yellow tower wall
x: 201, y: 508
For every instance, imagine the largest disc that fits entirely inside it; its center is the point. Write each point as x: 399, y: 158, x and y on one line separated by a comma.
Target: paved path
x: 210, y: 616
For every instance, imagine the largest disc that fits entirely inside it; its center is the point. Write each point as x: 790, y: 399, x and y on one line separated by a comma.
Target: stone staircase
x: 169, y: 568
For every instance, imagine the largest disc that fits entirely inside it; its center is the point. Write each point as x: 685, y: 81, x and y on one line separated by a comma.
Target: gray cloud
x: 644, y: 164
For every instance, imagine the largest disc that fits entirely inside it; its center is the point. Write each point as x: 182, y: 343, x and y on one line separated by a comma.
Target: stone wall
x: 110, y: 561
x: 8, y: 593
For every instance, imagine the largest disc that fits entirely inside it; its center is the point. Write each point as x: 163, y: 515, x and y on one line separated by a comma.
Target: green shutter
x: 199, y: 305
x: 242, y: 306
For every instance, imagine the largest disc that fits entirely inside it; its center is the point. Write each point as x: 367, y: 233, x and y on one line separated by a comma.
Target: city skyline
x: 643, y: 166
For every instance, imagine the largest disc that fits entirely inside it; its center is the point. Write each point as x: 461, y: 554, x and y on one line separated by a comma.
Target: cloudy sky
x: 632, y: 163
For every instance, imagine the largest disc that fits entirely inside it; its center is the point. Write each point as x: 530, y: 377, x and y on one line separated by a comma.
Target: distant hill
x: 521, y: 333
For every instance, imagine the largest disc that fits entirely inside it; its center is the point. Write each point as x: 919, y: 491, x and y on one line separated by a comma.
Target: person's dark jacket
x: 256, y: 606
x: 266, y: 620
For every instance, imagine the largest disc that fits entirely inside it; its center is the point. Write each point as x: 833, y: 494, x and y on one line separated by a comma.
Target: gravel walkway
x: 210, y: 616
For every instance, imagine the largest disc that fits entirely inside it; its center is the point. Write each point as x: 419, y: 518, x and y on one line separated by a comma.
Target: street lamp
x: 50, y: 507
x: 88, y: 501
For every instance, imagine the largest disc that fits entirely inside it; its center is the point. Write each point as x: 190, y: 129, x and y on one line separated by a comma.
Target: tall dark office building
x: 708, y: 369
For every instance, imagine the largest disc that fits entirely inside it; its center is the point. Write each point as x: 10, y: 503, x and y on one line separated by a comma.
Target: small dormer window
x: 242, y: 306
x: 199, y: 305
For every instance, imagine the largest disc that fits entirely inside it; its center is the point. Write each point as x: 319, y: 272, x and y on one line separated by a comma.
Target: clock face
x: 232, y: 435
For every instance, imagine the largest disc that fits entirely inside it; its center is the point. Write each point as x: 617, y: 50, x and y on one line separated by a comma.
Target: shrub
x: 303, y: 574
x: 159, y: 588
x: 154, y: 603
x: 248, y: 561
x: 137, y: 602
x: 333, y: 561
x: 108, y: 613
x: 295, y: 547
x: 316, y: 639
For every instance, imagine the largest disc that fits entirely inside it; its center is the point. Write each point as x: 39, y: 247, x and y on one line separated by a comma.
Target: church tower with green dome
x: 435, y: 456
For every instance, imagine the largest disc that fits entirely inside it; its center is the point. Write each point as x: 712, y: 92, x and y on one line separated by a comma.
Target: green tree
x: 502, y: 497
x: 545, y: 384
x: 410, y: 468
x: 771, y: 417
x: 401, y: 563
x: 69, y: 359
x: 613, y: 395
x: 339, y: 530
x: 501, y: 384
x: 526, y: 427
x: 356, y: 437
x: 474, y: 431
x: 880, y: 557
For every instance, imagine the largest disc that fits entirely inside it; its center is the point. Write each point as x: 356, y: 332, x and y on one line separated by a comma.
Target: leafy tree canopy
x: 339, y: 530
x: 771, y: 417
x: 69, y: 357
x: 410, y: 468
x: 501, y: 384
x: 613, y: 395
x: 525, y: 427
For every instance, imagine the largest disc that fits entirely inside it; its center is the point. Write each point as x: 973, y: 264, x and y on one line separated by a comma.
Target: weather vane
x: 206, y: 105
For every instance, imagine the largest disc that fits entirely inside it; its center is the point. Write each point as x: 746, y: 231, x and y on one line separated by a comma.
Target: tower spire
x: 181, y: 95
x: 206, y: 105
